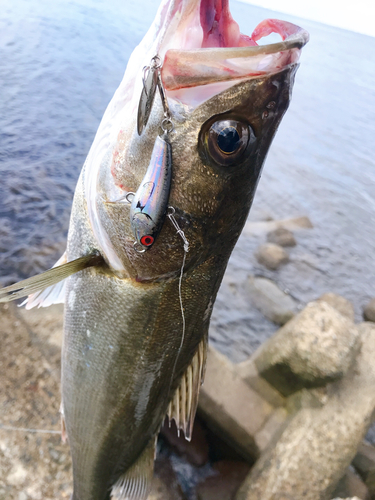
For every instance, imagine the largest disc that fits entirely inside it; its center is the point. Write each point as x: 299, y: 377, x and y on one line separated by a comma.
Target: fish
x: 160, y: 203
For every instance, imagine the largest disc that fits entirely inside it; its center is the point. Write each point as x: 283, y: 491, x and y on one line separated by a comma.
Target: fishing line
x: 24, y: 429
x: 181, y: 305
x: 186, y: 249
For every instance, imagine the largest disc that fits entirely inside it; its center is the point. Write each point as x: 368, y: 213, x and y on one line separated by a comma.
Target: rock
x: 231, y: 408
x: 272, y: 302
x: 316, y: 347
x: 17, y: 475
x: 195, y: 451
x: 320, y: 440
x: 249, y: 373
x: 364, y: 463
x: 370, y: 436
x: 45, y: 326
x: 350, y: 498
x: 252, y: 228
x: 282, y: 237
x: 226, y: 480
x: 47, y: 322
x: 271, y: 256
x: 369, y: 311
x: 351, y: 485
x: 341, y: 304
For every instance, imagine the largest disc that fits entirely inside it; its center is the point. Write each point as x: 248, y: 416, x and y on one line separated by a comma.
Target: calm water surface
x: 60, y: 63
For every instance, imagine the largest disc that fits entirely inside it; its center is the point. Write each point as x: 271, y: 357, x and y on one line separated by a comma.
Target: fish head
x: 227, y: 96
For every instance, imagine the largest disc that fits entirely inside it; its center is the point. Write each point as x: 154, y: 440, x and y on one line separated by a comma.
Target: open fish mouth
x: 202, y: 66
x: 201, y: 44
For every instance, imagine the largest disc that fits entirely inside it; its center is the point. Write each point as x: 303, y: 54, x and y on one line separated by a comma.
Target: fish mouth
x: 202, y: 44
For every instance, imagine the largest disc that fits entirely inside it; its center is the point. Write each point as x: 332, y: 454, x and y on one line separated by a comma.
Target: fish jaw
x: 183, y: 69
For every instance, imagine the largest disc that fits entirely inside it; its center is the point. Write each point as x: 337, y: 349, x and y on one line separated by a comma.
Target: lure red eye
x: 147, y: 240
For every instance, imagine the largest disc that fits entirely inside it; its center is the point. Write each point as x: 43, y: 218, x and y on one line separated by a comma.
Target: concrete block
x: 316, y: 347
x: 249, y: 373
x: 231, y: 407
x: 320, y: 441
x: 351, y: 485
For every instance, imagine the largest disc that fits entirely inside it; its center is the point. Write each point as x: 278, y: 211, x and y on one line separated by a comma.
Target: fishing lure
x: 149, y: 204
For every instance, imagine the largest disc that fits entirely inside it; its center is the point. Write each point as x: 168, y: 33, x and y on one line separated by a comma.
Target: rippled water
x: 60, y: 63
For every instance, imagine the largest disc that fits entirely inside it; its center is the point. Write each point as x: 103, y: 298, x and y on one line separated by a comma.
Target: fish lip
x: 294, y: 41
x: 202, y: 66
x: 292, y: 35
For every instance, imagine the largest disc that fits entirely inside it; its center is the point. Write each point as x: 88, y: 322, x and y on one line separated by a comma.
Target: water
x: 60, y: 63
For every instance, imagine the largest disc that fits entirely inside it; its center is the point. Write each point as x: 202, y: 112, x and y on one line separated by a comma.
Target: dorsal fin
x: 48, y: 278
x: 184, y: 403
x: 135, y: 483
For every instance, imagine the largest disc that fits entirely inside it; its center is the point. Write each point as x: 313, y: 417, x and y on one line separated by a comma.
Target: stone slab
x: 231, y: 407
x: 321, y: 440
x: 316, y: 347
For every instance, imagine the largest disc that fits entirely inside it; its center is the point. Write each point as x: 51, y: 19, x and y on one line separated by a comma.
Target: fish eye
x: 227, y: 140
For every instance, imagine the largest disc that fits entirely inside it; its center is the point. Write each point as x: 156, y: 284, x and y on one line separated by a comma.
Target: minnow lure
x: 150, y: 203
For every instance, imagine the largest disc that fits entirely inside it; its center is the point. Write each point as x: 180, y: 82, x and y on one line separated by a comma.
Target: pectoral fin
x: 48, y: 278
x: 184, y: 404
x: 135, y: 484
x: 54, y: 294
